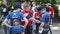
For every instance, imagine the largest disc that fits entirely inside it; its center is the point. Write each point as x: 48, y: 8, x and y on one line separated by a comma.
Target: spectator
x: 51, y: 11
x: 1, y: 14
x: 33, y: 6
x: 23, y: 4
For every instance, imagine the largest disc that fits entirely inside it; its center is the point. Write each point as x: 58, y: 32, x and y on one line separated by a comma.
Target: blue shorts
x: 17, y: 29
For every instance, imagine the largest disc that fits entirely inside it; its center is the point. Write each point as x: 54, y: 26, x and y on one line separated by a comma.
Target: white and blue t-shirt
x: 15, y: 17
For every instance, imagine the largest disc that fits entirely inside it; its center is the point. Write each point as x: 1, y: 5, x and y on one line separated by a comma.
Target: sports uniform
x: 45, y: 20
x: 15, y: 26
x: 28, y: 14
x: 15, y: 17
x: 38, y: 16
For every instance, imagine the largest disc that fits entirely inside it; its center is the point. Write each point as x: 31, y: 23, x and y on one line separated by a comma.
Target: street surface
x: 55, y: 29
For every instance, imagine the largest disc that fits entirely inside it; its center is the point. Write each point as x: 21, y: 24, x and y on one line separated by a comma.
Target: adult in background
x: 33, y: 6
x: 51, y: 12
x: 23, y: 4
x: 6, y: 9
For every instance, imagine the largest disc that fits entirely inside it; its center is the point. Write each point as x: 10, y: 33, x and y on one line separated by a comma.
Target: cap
x: 17, y: 5
x: 40, y: 8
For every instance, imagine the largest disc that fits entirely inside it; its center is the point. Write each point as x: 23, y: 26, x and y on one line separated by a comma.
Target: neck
x: 16, y: 11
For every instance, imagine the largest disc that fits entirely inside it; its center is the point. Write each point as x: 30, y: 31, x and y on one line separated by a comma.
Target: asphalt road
x: 55, y: 29
x: 53, y: 32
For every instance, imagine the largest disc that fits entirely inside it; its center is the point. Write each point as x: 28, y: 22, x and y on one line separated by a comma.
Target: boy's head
x: 17, y: 6
x: 27, y: 6
x: 41, y: 9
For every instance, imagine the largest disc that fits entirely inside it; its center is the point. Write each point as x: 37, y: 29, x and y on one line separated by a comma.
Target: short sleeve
x: 22, y: 16
x: 43, y: 19
x: 31, y: 13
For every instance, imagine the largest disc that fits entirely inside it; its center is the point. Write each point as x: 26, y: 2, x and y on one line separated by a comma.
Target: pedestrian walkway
x: 1, y: 31
x: 55, y: 26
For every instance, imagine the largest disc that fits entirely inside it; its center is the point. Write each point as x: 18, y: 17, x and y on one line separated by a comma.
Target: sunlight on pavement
x: 55, y: 28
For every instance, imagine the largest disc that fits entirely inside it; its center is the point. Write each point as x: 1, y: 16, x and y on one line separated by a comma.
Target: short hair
x: 17, y: 5
x: 27, y: 5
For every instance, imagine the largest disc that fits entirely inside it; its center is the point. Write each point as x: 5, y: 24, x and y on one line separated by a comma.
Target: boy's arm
x: 43, y: 21
x: 6, y: 20
x: 5, y: 23
x: 37, y: 21
x: 25, y: 21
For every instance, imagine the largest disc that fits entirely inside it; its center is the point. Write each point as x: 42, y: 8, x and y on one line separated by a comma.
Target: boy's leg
x: 33, y: 28
x: 5, y: 29
x: 28, y: 30
x: 37, y: 27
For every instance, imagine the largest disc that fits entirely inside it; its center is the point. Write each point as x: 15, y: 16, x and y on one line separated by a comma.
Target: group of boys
x: 21, y: 21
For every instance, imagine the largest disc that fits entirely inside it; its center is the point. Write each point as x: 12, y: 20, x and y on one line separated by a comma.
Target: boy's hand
x: 37, y: 21
x: 42, y: 24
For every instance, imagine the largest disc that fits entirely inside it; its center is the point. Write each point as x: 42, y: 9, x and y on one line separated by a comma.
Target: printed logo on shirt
x: 14, y: 15
x: 15, y: 22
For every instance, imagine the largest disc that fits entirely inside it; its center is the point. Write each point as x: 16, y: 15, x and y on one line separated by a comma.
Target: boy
x: 15, y: 17
x: 45, y: 19
x: 37, y: 19
x: 28, y: 14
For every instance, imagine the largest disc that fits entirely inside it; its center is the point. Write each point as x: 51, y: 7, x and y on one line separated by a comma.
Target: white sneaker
x: 40, y: 30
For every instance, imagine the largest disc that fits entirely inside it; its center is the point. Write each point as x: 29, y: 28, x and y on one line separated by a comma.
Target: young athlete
x: 37, y: 19
x: 45, y: 19
x: 28, y: 14
x: 16, y: 17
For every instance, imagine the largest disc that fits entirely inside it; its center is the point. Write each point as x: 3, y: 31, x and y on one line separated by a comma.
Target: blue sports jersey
x: 15, y: 17
x: 45, y: 18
